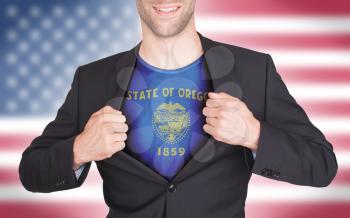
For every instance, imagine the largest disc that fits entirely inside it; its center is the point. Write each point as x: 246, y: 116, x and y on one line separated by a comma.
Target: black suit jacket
x: 214, y: 182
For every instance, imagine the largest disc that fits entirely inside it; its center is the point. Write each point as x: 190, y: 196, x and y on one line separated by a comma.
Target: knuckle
x: 243, y: 105
x: 217, y: 132
x: 208, y: 102
x: 124, y: 136
x: 104, y: 126
x: 230, y: 103
x: 123, y: 127
x: 126, y: 127
x: 122, y: 145
x: 100, y: 119
x: 102, y: 110
x: 239, y: 107
x: 120, y: 137
x: 240, y: 103
x: 207, y: 110
x: 221, y: 122
x: 222, y: 113
x: 122, y: 118
x: 119, y: 146
x: 227, y: 103
x: 107, y: 108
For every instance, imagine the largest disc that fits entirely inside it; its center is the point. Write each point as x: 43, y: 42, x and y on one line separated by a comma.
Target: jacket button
x: 172, y: 188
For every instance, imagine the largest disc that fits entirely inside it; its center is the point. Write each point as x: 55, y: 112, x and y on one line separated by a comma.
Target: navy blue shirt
x: 163, y: 109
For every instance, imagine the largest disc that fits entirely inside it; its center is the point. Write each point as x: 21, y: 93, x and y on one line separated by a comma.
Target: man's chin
x: 166, y: 31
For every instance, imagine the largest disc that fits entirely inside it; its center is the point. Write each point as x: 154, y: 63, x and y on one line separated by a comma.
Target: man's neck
x: 173, y: 52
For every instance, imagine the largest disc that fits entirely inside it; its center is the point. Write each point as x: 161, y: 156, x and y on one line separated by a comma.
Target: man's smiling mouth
x: 166, y: 11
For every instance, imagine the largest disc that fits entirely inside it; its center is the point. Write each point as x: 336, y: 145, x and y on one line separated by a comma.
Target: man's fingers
x: 221, y: 102
x: 119, y: 136
x: 118, y: 145
x: 213, y: 121
x: 218, y: 112
x: 209, y: 129
x: 218, y: 123
x: 106, y: 109
x: 220, y: 95
x: 112, y: 117
x: 114, y: 147
x: 116, y: 127
x: 210, y: 112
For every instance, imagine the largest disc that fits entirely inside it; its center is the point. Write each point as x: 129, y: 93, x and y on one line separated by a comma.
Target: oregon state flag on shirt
x: 163, y: 109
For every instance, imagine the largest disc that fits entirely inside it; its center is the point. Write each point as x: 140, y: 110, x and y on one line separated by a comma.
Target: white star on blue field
x: 43, y: 42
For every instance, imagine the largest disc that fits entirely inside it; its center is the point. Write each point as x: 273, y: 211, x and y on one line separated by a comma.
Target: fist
x: 229, y: 120
x: 104, y: 134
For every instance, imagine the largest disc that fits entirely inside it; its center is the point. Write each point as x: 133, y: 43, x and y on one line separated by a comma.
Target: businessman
x: 177, y: 125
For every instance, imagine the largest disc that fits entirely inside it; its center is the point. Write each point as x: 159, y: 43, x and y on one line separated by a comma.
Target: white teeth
x: 166, y: 9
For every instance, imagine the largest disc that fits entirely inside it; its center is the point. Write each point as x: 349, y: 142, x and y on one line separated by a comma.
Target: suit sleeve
x: 47, y: 163
x: 290, y: 147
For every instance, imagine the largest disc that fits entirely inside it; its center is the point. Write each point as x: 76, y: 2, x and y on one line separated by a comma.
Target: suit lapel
x: 219, y: 63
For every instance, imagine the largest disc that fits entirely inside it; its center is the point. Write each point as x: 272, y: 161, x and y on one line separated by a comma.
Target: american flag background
x: 43, y: 42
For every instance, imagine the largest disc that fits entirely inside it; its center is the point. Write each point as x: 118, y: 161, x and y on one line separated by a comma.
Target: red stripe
x: 10, y: 177
x: 252, y: 210
x: 53, y: 210
x: 266, y: 42
x: 297, y: 210
x: 14, y: 141
x: 327, y: 109
x: 272, y: 7
x: 314, y: 75
x: 339, y: 141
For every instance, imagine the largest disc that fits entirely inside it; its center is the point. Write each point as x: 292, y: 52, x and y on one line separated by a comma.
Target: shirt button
x: 172, y: 188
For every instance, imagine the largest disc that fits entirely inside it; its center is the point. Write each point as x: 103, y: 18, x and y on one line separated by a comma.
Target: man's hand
x: 229, y: 120
x: 103, y: 135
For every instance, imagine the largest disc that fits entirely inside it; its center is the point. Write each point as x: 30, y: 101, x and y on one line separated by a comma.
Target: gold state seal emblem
x: 171, y: 122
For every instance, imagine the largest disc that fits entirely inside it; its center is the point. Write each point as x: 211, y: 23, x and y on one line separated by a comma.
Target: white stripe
x: 298, y: 194
x: 310, y: 58
x: 325, y: 92
x: 332, y: 125
x: 30, y: 125
x: 273, y: 24
x: 94, y: 193
x: 10, y: 159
